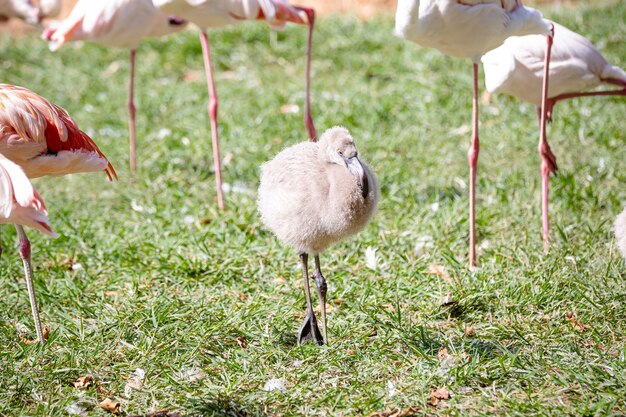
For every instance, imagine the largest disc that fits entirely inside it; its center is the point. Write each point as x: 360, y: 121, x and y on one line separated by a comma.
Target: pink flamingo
x: 516, y: 68
x: 27, y: 11
x: 41, y: 139
x: 117, y: 23
x: 22, y: 9
x: 219, y: 13
x: 22, y: 206
x: 468, y: 29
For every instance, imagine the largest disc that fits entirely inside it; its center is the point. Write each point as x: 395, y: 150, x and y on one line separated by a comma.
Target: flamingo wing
x: 19, y: 202
x: 516, y: 67
x: 43, y: 138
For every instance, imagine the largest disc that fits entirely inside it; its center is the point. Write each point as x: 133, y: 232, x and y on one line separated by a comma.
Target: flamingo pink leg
x: 289, y: 13
x: 566, y: 96
x: 25, y: 255
x: 548, y: 160
x: 472, y: 157
x: 131, y: 112
x: 308, y: 119
x: 212, y: 108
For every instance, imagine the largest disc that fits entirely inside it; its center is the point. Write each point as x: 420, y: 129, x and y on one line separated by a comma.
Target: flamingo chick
x: 116, y: 23
x: 220, y: 13
x: 42, y: 139
x: 312, y: 195
x: 620, y: 232
x: 468, y: 29
x: 516, y: 68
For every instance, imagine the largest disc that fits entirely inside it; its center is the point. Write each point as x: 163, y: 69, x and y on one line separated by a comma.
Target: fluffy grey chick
x: 314, y: 194
x: 620, y: 232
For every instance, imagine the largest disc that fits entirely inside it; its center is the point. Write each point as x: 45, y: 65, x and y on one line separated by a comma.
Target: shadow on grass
x: 222, y: 407
x: 288, y: 339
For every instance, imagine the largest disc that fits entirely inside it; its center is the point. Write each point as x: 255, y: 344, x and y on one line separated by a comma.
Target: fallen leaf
x: 206, y: 220
x: 111, y: 406
x: 390, y: 309
x: 135, y: 381
x: 441, y: 393
x: 111, y: 69
x: 469, y: 331
x: 339, y: 301
x: 83, y: 381
x: 440, y: 271
x: 390, y: 412
x: 578, y: 325
x: 227, y: 159
x: 438, y: 395
x: 486, y: 98
x: 192, y: 75
x: 242, y: 296
x: 46, y: 333
x: 241, y: 342
x: 443, y: 353
x: 279, y: 280
x: 350, y: 352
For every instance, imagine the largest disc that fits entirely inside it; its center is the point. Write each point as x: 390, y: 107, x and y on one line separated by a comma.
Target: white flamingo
x: 42, y: 139
x: 22, y: 206
x: 468, y: 29
x: 516, y: 68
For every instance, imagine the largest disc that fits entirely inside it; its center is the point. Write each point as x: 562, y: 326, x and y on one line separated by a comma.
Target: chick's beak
x: 356, y: 169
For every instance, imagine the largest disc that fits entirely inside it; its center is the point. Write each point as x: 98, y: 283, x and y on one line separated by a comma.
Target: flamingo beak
x: 356, y: 169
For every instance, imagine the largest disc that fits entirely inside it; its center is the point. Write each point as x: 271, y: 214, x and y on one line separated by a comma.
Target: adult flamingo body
x: 516, y: 68
x: 117, y: 23
x: 21, y: 9
x: 219, y: 13
x: 468, y: 29
x: 42, y: 139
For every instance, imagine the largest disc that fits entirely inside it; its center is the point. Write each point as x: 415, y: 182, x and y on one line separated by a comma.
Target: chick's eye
x: 341, y: 153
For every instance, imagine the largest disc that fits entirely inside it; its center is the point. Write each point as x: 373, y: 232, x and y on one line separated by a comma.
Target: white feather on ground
x: 620, y: 232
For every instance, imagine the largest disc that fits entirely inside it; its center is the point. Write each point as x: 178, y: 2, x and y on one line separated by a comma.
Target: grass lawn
x: 208, y: 304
